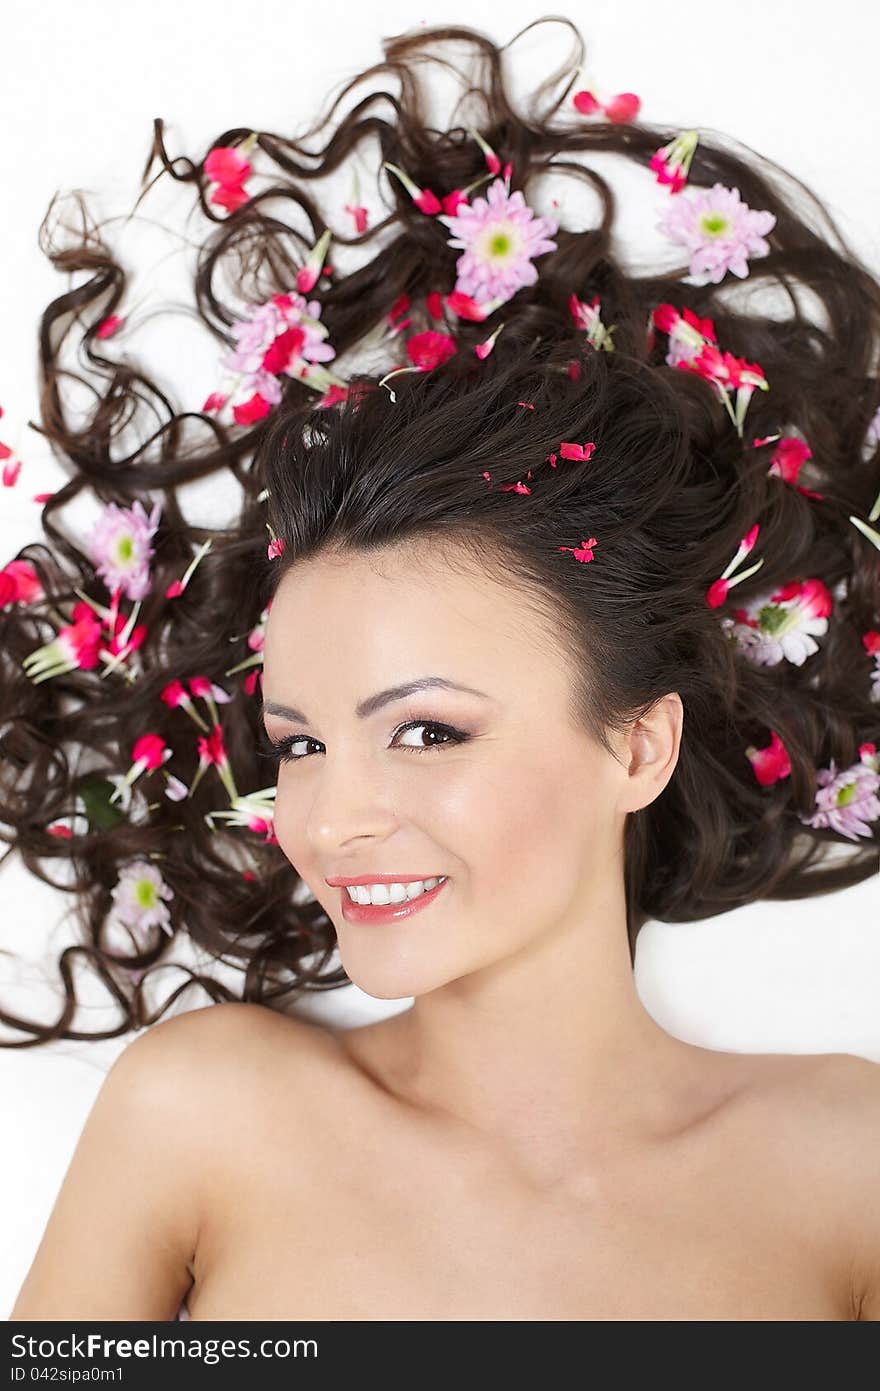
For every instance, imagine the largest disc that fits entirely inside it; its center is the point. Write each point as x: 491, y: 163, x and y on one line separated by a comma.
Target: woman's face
x: 509, y: 800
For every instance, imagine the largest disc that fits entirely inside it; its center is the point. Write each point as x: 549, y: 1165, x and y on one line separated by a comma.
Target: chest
x: 392, y: 1233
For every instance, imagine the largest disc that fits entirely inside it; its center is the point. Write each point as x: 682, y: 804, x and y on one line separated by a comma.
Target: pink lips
x: 387, y: 912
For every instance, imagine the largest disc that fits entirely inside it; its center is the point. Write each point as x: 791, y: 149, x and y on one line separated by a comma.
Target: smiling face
x: 501, y: 792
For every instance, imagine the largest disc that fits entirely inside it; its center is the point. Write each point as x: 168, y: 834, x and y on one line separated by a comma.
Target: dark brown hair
x: 669, y: 493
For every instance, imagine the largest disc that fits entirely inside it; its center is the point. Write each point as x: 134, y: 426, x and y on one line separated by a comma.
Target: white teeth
x: 391, y: 893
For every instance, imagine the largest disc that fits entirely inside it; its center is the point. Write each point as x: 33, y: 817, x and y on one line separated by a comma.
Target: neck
x: 549, y: 1053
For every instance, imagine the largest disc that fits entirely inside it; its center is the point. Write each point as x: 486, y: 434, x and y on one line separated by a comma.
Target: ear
x: 649, y: 753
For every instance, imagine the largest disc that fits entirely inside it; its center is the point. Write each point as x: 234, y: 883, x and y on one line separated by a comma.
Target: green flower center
x: 713, y: 224
x: 500, y: 244
x: 145, y: 893
x: 846, y: 795
x: 772, y: 617
x: 125, y: 548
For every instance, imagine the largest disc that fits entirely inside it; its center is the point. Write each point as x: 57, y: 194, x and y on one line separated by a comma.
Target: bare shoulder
x: 124, y: 1230
x: 231, y: 1041
x: 822, y: 1111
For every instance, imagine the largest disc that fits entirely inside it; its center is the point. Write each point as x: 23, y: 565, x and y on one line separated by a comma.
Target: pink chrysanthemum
x: 282, y: 337
x: 847, y: 800
x: 719, y: 230
x: 500, y: 236
x: 137, y: 898
x: 120, y: 547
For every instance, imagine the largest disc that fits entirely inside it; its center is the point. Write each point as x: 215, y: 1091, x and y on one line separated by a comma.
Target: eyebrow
x: 375, y: 702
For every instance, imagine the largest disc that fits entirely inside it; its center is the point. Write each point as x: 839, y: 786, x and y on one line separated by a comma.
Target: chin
x: 392, y: 978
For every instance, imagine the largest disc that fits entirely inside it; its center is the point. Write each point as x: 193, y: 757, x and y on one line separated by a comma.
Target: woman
x: 512, y: 551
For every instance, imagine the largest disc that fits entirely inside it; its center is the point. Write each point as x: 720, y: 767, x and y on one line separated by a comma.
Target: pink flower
x: 109, y: 326
x: 583, y: 552
x: 121, y: 646
x: 576, y: 451
x: 229, y: 167
x: 623, y: 107
x: 275, y: 547
x: 333, y: 394
x: 424, y: 199
x: 252, y: 410
x: 77, y: 645
x: 226, y: 165
x: 138, y: 898
x: 212, y: 751
x: 360, y: 215
x: 719, y: 230
x: 213, y: 695
x: 688, y: 333
x: 779, y: 626
x: 493, y: 163
x: 452, y: 201
x: 500, y: 236
x: 229, y: 196
x: 789, y: 457
x: 19, y: 583
x: 120, y: 547
x: 175, y: 696
x: 672, y: 162
x: 770, y: 763
x: 847, y: 801
x: 483, y: 349
x: 585, y: 102
x: 717, y: 591
x: 308, y: 275
x: 400, y: 306
x: 466, y: 307
x: 283, y: 336
x: 148, y: 752
x: 11, y: 470
x: 429, y: 349
x: 589, y: 318
x: 208, y: 690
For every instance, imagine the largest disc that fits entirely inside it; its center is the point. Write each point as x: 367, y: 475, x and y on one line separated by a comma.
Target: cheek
x: 535, y: 818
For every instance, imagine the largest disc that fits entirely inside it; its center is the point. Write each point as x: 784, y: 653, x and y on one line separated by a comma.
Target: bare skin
x: 524, y: 1141
x: 725, y: 1201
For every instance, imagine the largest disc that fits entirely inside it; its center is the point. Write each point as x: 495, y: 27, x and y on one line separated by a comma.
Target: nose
x: 350, y: 801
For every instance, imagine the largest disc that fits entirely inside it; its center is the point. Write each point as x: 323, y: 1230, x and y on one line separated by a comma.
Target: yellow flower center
x: 713, y: 224
x: 145, y: 893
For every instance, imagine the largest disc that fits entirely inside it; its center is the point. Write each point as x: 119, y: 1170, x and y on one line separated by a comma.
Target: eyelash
x: 279, y: 751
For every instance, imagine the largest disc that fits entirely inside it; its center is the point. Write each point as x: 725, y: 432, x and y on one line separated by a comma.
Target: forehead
x: 445, y: 608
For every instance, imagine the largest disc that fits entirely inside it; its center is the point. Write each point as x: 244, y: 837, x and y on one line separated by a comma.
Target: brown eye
x: 448, y: 734
x: 280, y: 751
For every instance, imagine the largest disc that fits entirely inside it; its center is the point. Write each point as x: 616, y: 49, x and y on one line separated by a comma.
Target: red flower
x: 429, y: 349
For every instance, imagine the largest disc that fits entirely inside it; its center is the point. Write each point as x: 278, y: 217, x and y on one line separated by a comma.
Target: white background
x: 82, y: 84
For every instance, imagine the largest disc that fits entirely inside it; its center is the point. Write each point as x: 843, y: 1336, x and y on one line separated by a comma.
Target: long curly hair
x: 619, y: 544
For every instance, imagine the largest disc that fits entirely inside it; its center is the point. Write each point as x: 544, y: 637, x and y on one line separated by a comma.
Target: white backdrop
x: 82, y: 84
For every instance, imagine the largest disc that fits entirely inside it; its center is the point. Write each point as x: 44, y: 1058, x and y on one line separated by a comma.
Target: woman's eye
x: 281, y: 750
